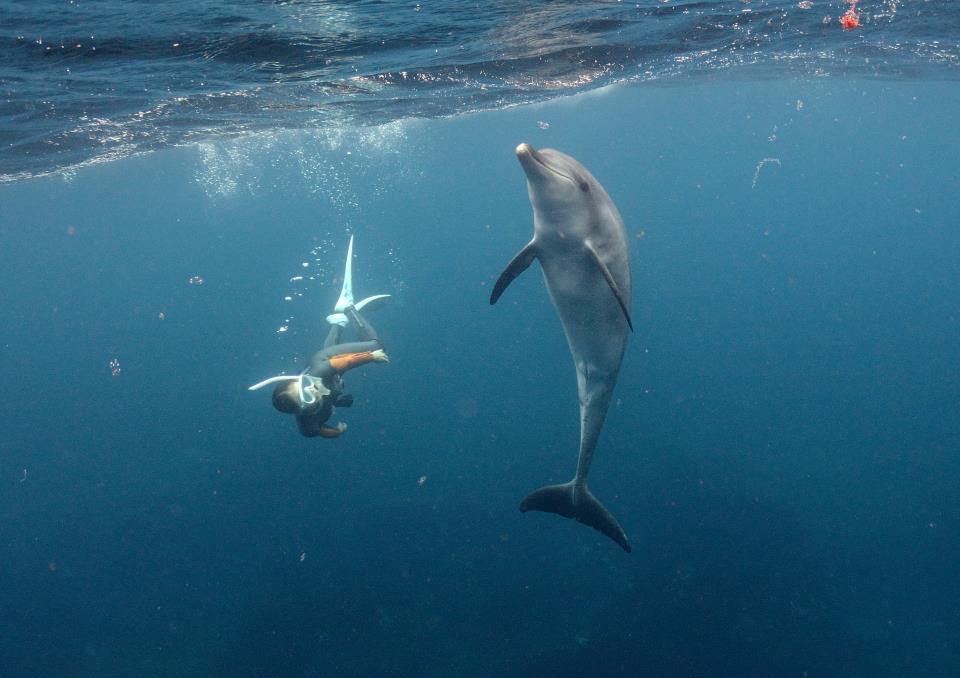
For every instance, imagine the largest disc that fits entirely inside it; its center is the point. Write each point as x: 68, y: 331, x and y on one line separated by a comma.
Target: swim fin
x: 338, y: 317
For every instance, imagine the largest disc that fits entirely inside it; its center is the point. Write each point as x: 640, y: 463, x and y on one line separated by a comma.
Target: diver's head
x: 286, y: 398
x: 304, y: 395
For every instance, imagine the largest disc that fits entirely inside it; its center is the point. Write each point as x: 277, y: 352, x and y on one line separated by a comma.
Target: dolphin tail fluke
x: 583, y: 507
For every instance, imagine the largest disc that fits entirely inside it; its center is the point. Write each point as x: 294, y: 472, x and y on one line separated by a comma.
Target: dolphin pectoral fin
x: 559, y: 499
x: 615, y: 288
x: 520, y: 263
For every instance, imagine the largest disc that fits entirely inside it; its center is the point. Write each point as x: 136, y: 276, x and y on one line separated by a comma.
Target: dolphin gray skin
x: 581, y: 244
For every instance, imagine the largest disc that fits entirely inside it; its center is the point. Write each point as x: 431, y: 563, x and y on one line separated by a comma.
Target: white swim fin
x: 338, y: 317
x: 346, y: 292
x: 373, y: 303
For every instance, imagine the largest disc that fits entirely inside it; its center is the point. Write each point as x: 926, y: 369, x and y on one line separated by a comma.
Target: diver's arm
x: 333, y: 431
x: 311, y: 424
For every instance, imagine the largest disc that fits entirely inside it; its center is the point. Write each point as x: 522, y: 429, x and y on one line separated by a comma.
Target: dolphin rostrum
x: 581, y: 244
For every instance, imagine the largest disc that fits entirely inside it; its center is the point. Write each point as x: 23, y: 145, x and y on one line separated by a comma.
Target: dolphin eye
x: 584, y: 186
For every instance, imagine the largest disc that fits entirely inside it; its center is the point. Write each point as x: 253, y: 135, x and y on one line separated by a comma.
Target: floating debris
x: 851, y: 18
x: 756, y: 172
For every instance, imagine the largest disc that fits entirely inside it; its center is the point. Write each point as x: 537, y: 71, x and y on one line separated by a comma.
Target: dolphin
x: 581, y: 244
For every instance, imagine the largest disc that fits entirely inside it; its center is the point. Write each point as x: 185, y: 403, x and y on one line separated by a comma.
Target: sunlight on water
x: 224, y: 166
x: 329, y: 160
x: 346, y: 167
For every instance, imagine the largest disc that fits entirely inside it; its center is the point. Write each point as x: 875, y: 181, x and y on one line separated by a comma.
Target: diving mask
x: 309, y: 388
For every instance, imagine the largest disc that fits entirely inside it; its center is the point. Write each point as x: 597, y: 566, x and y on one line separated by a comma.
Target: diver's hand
x: 341, y: 426
x: 380, y: 356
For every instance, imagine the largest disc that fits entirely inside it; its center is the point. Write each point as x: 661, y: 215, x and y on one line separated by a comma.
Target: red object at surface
x: 850, y: 20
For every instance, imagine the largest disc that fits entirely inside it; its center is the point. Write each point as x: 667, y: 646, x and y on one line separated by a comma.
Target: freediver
x: 314, y: 394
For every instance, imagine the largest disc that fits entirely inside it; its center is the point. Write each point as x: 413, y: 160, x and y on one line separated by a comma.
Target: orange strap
x: 347, y: 361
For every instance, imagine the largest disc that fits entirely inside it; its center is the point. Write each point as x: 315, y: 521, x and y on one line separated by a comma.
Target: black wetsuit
x: 321, y: 366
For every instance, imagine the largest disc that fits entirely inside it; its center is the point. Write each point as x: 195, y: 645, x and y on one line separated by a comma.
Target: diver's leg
x: 369, y: 342
x: 320, y: 361
x: 368, y: 339
x: 339, y: 358
x: 355, y: 347
x: 333, y: 336
x: 365, y: 331
x: 320, y: 366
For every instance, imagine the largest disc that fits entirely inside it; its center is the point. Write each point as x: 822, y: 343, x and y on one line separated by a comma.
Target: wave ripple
x: 88, y: 82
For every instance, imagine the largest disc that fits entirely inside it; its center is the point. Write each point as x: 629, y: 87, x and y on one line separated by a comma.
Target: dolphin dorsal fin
x: 520, y: 263
x: 610, y: 281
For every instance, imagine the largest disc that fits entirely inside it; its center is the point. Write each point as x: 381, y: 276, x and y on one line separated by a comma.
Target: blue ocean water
x: 783, y: 445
